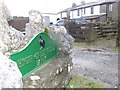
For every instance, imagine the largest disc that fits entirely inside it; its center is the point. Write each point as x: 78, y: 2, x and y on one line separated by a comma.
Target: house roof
x: 93, y: 16
x: 65, y: 10
x: 101, y: 2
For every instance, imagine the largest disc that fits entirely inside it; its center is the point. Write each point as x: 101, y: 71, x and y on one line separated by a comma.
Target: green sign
x: 40, y: 50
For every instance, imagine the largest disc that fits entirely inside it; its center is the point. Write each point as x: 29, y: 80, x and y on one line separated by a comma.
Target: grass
x: 97, y: 42
x: 100, y: 42
x: 79, y: 44
x: 119, y: 49
x: 81, y: 82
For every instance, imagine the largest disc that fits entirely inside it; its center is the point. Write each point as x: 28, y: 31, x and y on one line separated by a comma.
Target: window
x: 64, y: 14
x: 110, y: 7
x: 92, y: 10
x: 84, y: 11
x: 61, y: 15
x: 78, y: 13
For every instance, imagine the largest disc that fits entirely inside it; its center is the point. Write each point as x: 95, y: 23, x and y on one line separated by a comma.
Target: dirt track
x: 99, y: 65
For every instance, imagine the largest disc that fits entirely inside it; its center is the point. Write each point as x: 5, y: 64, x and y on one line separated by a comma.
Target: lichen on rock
x: 10, y: 38
x: 35, y: 24
x: 64, y: 40
x: 10, y: 76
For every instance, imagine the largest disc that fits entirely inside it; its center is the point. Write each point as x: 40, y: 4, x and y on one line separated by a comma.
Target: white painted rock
x: 35, y: 24
x: 3, y: 47
x: 34, y: 77
x: 10, y: 38
x: 65, y: 40
x: 10, y: 76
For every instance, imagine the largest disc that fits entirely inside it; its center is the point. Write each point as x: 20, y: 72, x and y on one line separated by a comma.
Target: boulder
x: 65, y: 40
x: 35, y: 24
x: 9, y: 37
x: 10, y: 76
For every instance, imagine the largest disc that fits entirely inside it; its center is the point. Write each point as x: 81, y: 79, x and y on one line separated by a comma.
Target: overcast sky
x: 22, y: 7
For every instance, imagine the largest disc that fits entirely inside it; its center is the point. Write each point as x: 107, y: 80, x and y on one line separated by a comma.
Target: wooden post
x: 107, y: 11
x: 118, y: 34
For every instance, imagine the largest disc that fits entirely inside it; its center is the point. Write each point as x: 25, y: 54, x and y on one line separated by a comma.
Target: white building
x: 99, y: 11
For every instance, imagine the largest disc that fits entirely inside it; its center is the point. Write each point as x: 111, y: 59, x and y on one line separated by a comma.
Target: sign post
x: 40, y: 50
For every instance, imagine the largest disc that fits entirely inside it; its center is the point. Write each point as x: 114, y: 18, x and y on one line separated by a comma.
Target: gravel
x: 99, y: 65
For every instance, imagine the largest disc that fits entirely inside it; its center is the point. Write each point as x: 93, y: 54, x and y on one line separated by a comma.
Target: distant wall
x: 102, y: 18
x: 110, y: 14
x: 19, y: 23
x: 115, y: 12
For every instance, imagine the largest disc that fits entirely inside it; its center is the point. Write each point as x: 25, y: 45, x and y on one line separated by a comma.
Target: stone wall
x: 55, y: 74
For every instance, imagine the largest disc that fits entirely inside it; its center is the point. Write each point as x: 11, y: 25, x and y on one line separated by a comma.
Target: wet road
x: 98, y: 65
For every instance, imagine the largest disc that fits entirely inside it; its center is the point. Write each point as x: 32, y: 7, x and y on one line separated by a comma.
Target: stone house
x: 99, y: 11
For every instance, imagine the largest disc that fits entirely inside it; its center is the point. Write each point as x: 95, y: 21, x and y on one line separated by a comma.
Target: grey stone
x: 35, y: 25
x: 10, y: 38
x: 10, y: 76
x: 64, y: 40
x: 48, y: 76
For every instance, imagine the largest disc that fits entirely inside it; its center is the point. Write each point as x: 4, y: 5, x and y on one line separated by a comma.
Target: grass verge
x: 102, y: 43
x: 81, y: 82
x: 79, y: 44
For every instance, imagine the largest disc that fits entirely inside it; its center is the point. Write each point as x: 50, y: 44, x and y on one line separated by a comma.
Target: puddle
x: 92, y: 50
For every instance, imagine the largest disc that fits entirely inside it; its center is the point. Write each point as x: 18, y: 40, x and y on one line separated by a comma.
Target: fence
x: 81, y: 32
x: 88, y: 32
x: 105, y: 31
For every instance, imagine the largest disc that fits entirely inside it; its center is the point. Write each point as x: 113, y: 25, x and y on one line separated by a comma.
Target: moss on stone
x: 46, y: 30
x: 81, y: 82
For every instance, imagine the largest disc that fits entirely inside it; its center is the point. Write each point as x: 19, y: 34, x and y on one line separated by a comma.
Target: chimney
x: 82, y: 2
x: 74, y: 5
